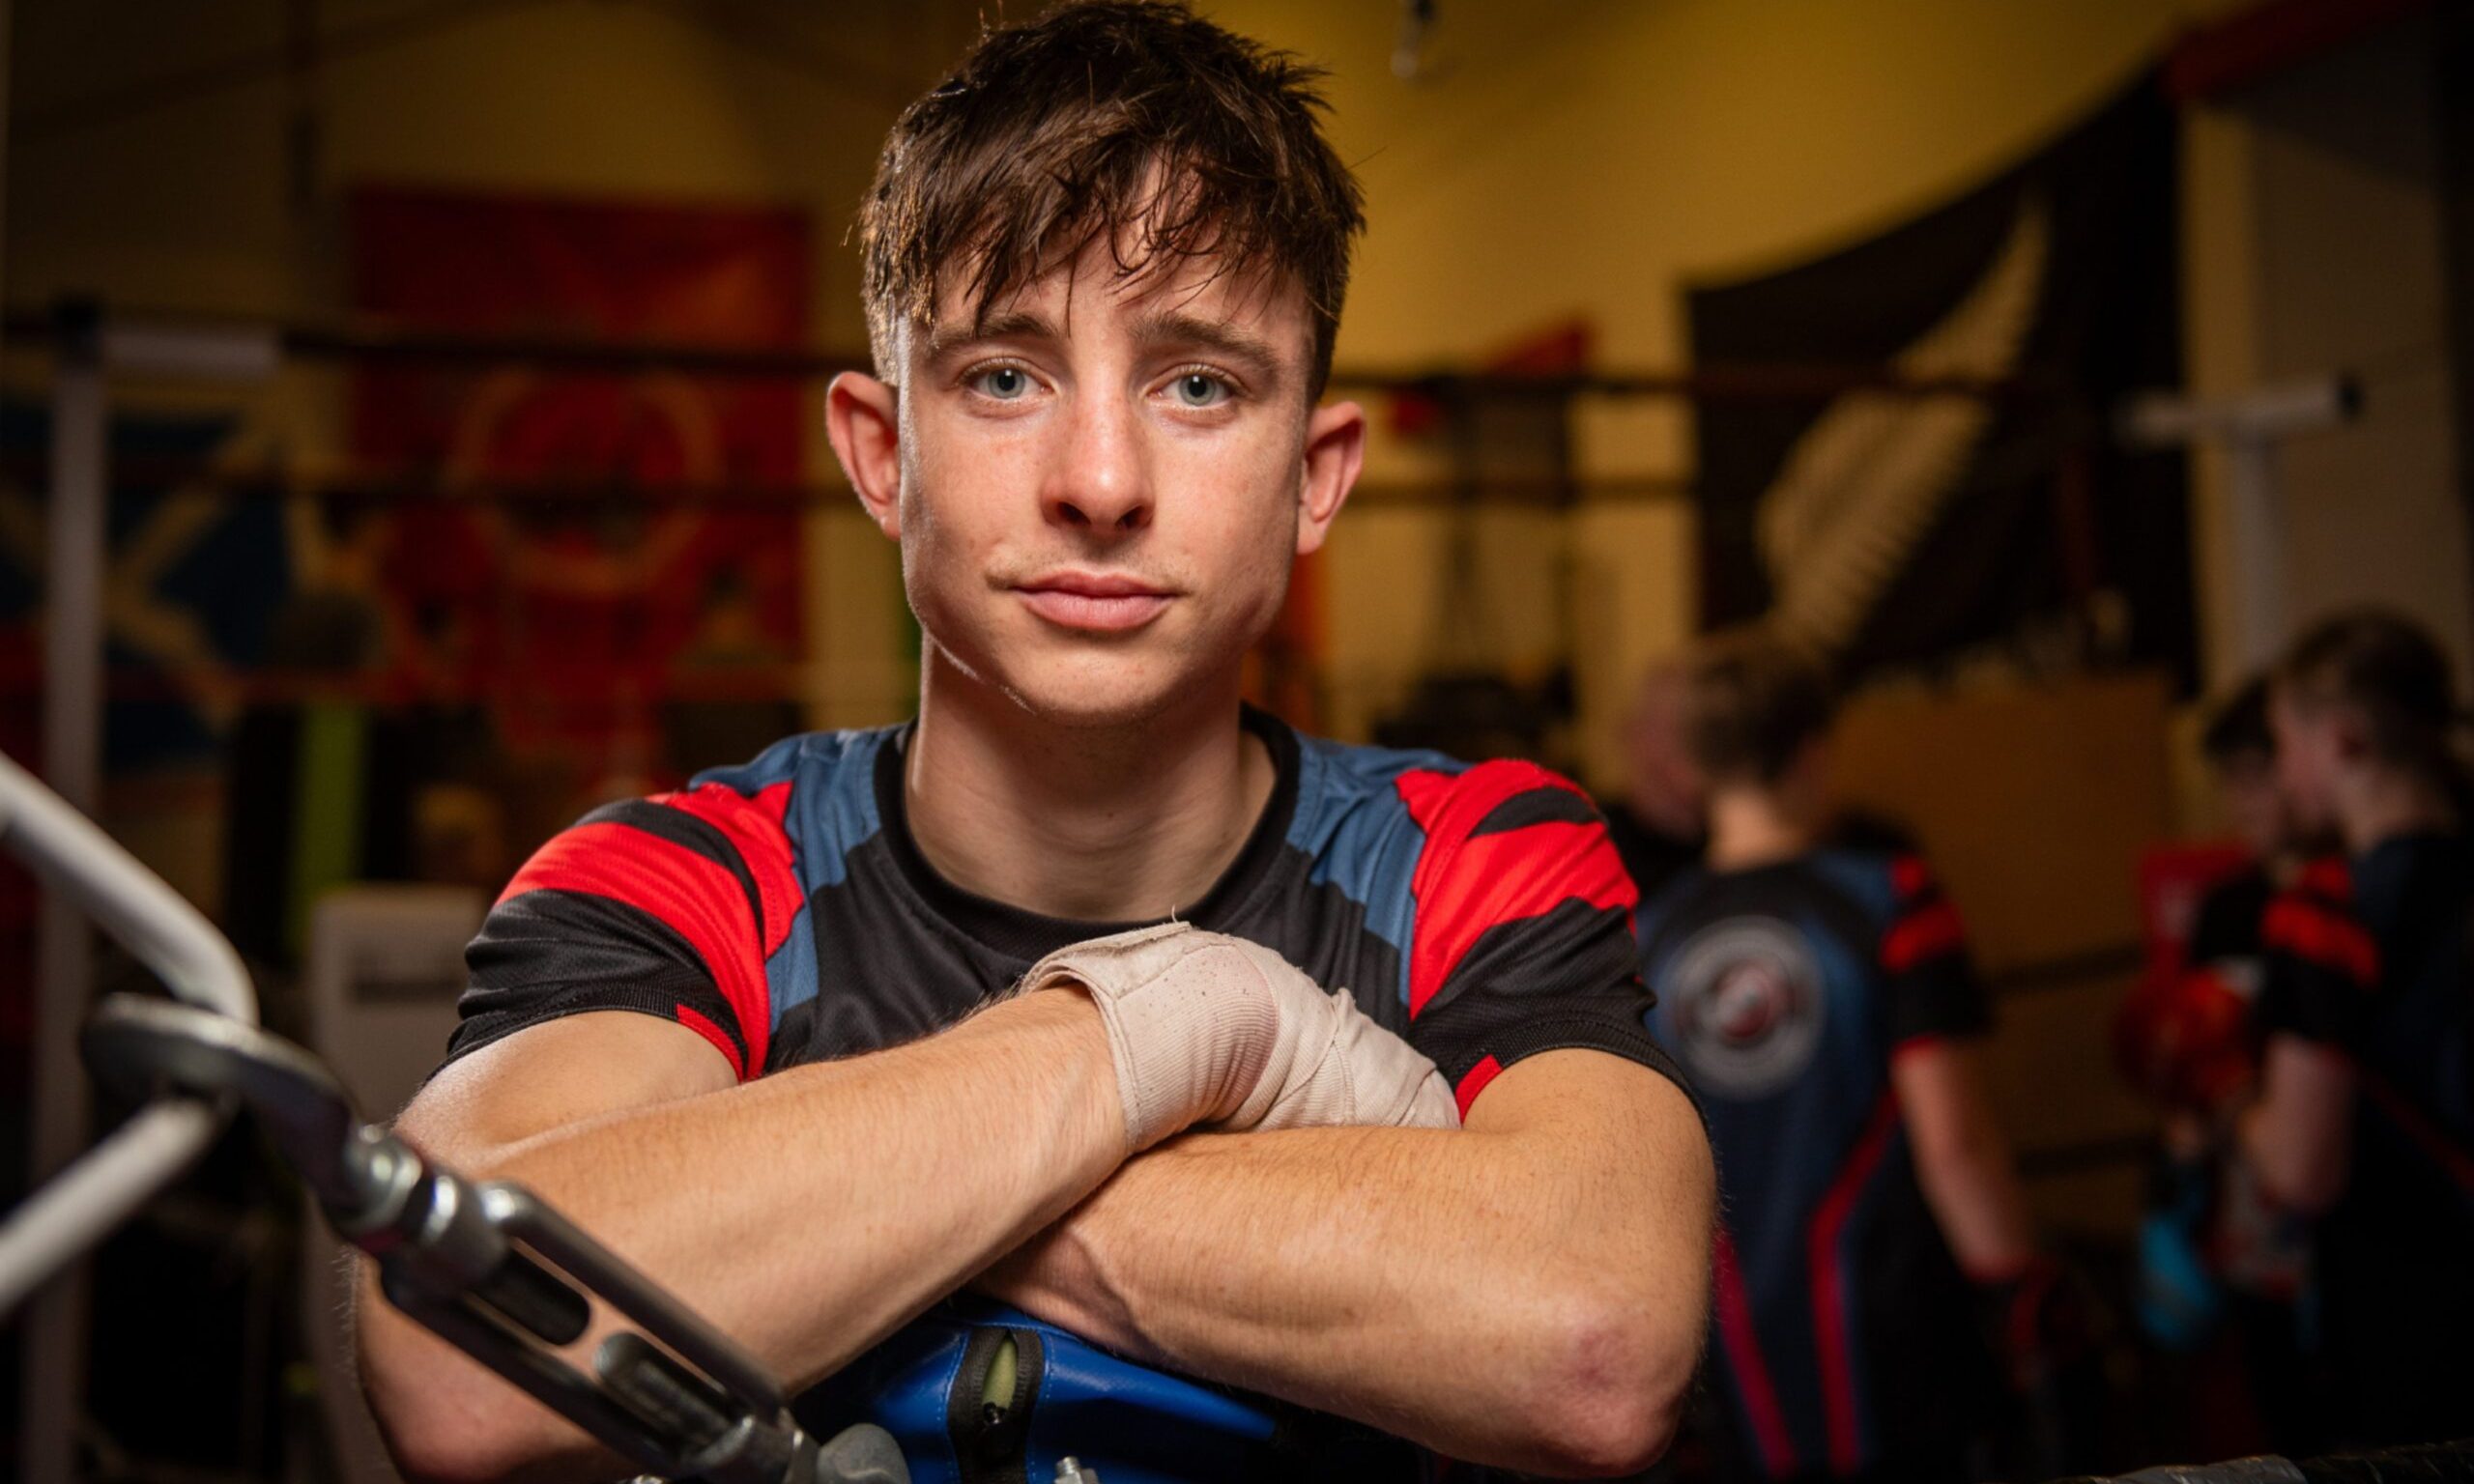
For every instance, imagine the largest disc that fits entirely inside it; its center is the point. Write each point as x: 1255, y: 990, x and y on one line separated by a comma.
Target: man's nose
x: 1101, y: 481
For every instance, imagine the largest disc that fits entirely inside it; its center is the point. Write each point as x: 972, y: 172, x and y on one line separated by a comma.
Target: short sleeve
x: 1933, y: 991
x: 1523, y: 930
x: 2227, y: 923
x: 667, y: 905
x: 2322, y: 964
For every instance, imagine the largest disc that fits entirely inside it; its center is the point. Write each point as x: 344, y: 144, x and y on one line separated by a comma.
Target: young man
x: 756, y: 1034
x: 2366, y: 1110
x: 1657, y: 826
x: 1820, y: 999
x: 2184, y: 1038
x: 2223, y: 1269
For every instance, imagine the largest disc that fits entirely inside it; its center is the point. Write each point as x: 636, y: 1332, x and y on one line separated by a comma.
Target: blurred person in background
x: 2365, y: 1115
x: 1821, y: 996
x: 1660, y: 825
x: 2221, y: 1267
x: 1657, y: 825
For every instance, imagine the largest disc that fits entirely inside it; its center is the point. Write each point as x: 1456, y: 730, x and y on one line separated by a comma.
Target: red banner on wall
x: 625, y: 568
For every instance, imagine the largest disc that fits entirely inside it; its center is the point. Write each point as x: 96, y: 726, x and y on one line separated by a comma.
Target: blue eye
x: 1006, y: 383
x: 1201, y: 388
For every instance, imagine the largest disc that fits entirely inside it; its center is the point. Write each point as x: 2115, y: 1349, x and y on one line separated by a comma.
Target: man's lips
x: 1103, y: 603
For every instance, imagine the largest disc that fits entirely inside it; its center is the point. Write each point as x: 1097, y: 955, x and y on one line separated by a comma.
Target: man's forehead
x: 1096, y: 292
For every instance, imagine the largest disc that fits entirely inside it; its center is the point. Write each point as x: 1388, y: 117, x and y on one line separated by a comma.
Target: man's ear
x: 863, y: 419
x: 1335, y: 452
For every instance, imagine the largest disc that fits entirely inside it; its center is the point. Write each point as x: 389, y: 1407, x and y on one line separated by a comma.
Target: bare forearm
x: 1962, y: 1161
x: 1977, y: 1200
x: 807, y: 1213
x: 847, y: 1194
x: 1482, y: 1293
x: 2297, y: 1136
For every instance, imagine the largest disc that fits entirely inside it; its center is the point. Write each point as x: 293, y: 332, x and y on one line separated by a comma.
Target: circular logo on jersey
x: 1748, y: 1004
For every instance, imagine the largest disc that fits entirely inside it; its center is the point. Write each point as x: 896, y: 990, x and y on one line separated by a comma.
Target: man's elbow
x: 444, y: 1422
x: 444, y: 1439
x: 1617, y: 1390
x: 2303, y: 1170
x: 2306, y: 1184
x: 427, y: 1452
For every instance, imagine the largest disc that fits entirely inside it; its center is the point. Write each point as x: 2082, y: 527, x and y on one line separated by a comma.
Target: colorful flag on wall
x: 593, y: 550
x: 1889, y: 530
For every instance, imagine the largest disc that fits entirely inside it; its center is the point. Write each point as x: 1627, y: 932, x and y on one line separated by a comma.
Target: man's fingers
x: 1352, y: 1072
x: 1211, y: 1029
x: 1190, y: 1020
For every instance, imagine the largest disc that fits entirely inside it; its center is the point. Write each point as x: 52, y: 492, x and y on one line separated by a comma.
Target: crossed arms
x: 1528, y: 1291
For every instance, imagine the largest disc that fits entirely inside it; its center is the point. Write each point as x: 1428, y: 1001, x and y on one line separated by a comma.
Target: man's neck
x: 2387, y: 805
x: 1750, y: 827
x: 1090, y: 824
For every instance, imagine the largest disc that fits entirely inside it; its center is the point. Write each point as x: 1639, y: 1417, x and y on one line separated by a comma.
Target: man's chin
x: 1102, y: 697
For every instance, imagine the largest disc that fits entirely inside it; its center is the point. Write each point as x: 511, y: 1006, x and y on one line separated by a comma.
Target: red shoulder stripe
x: 1923, y: 934
x: 694, y: 897
x: 2319, y: 934
x: 2326, y: 877
x: 1465, y: 887
x: 753, y: 824
x: 689, y: 1018
x: 1474, y: 1083
x: 1909, y: 876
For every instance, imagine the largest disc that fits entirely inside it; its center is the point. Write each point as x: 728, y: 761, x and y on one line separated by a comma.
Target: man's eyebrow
x: 1218, y: 336
x: 1014, y: 324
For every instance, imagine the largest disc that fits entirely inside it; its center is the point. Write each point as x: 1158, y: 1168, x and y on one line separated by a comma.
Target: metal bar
x: 2258, y: 546
x: 1766, y: 381
x: 2068, y: 971
x: 63, y: 955
x: 546, y: 1378
x: 376, y: 490
x: 81, y: 1207
x: 516, y: 1211
x: 192, y: 353
x: 2125, y: 1151
x: 94, y: 876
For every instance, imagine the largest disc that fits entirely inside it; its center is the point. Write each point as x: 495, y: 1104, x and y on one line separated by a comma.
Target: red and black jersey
x: 782, y: 910
x: 2370, y: 956
x: 1845, y: 1334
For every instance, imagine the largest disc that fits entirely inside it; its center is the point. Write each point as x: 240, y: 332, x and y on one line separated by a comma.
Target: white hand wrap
x: 1210, y: 1029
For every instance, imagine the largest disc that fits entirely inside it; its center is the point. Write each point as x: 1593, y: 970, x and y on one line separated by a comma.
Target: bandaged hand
x: 1207, y: 1029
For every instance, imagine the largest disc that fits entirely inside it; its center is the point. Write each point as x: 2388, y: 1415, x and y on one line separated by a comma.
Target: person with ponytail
x: 2365, y: 1115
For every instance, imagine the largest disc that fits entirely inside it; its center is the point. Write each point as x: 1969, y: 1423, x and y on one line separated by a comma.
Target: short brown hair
x: 2238, y: 729
x: 1752, y: 704
x: 2391, y: 671
x: 1106, y: 120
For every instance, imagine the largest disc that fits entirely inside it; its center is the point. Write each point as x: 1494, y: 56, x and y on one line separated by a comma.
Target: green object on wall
x: 325, y: 811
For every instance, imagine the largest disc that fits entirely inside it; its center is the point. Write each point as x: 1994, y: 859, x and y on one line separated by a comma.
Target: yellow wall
x: 1593, y: 158
x: 1568, y: 158
x: 2313, y: 246
x: 188, y: 204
